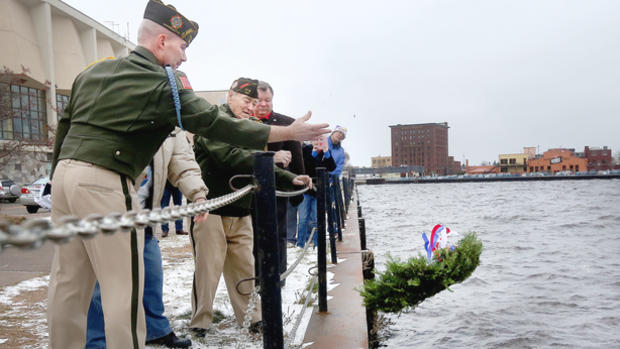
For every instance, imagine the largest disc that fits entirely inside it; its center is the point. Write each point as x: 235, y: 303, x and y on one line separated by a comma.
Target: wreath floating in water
x: 406, y: 284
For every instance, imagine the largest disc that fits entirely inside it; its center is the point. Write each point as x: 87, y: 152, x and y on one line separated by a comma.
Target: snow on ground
x: 178, y: 273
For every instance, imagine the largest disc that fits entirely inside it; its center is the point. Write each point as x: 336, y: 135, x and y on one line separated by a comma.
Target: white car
x: 32, y: 191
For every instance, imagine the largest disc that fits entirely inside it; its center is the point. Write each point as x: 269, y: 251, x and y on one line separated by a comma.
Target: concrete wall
x: 46, y: 44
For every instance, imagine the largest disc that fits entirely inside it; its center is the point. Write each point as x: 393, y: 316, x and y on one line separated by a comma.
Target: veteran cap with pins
x: 245, y: 86
x: 168, y: 17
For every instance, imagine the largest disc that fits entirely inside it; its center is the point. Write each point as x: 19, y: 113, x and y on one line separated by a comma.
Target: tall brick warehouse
x: 422, y: 145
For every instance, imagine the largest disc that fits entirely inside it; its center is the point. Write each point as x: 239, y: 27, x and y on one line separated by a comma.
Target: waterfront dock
x: 344, y: 324
x: 481, y: 179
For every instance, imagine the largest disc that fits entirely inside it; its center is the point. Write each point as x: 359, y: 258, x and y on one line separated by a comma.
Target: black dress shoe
x: 171, y: 341
x: 256, y: 327
x: 198, y: 332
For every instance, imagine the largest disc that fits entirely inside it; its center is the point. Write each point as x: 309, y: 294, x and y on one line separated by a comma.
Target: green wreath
x: 406, y: 284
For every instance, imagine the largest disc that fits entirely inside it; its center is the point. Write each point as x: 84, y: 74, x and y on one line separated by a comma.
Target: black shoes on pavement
x: 171, y: 341
x: 256, y: 327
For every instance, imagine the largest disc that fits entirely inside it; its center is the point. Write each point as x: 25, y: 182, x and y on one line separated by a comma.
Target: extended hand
x: 300, y: 130
x: 282, y: 157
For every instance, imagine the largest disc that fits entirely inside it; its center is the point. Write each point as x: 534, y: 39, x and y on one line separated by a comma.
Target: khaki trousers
x: 222, y: 245
x: 115, y: 260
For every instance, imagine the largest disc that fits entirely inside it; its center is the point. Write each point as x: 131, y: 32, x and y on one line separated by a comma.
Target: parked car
x: 30, y: 192
x: 9, y: 191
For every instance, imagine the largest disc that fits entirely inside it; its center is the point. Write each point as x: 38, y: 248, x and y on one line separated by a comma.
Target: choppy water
x: 550, y: 269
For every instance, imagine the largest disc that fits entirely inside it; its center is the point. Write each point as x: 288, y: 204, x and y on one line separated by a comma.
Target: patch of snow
x: 9, y: 292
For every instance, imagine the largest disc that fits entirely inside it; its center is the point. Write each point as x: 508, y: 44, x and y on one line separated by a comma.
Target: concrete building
x: 513, y: 163
x: 46, y: 43
x: 421, y: 145
x: 599, y: 159
x: 215, y: 97
x: 381, y: 161
x: 556, y: 160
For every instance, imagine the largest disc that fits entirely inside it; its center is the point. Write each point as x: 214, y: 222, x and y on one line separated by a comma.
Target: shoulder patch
x: 98, y: 61
x: 185, y: 82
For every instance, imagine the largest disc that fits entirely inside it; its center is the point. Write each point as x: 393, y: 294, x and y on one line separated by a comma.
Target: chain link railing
x: 33, y: 233
x: 299, y: 258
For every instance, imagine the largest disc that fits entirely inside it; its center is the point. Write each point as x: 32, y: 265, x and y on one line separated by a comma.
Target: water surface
x: 550, y: 268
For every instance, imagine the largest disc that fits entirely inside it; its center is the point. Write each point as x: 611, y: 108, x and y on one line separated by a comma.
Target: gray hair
x: 264, y: 86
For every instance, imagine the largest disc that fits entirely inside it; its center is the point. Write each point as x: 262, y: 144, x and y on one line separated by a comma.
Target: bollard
x: 321, y: 250
x: 331, y: 224
x: 267, y: 234
x: 362, y: 225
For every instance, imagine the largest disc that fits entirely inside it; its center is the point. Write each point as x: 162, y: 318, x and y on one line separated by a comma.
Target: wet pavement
x: 17, y: 265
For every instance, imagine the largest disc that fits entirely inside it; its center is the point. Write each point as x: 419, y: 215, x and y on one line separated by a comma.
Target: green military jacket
x: 121, y: 110
x: 220, y: 161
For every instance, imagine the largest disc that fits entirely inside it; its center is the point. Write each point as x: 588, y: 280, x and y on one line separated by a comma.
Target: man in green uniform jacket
x: 223, y: 243
x: 120, y: 112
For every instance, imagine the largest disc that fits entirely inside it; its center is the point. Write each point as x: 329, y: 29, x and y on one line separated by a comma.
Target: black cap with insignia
x: 168, y: 17
x: 246, y: 87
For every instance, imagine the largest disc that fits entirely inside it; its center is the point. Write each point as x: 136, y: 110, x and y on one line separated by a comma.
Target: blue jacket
x: 338, y: 154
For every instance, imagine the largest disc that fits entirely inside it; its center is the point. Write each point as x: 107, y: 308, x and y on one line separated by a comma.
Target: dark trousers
x: 177, y: 199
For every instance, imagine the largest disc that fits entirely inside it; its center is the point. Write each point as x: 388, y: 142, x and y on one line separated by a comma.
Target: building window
x: 503, y: 161
x: 513, y: 161
x: 61, y: 104
x: 23, y: 115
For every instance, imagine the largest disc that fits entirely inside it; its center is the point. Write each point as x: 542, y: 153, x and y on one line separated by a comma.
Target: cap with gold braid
x: 246, y: 87
x: 168, y: 17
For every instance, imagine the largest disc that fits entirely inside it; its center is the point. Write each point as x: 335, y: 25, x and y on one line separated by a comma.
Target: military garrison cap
x: 246, y: 87
x: 168, y: 17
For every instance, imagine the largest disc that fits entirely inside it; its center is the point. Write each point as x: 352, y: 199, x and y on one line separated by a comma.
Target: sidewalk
x: 344, y: 324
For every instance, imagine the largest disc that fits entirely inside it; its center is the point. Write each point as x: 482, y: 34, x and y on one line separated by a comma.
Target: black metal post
x: 321, y: 250
x: 342, y: 214
x: 359, y: 210
x: 362, y: 225
x: 267, y: 234
x: 345, y: 188
x: 331, y: 224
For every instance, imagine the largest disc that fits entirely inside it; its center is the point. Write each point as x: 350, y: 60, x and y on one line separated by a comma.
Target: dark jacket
x: 297, y: 160
x: 121, y: 111
x: 311, y: 163
x: 220, y: 161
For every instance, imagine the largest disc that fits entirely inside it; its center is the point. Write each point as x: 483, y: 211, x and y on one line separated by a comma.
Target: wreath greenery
x: 406, y: 284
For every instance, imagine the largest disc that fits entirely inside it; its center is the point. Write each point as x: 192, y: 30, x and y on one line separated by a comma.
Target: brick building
x: 556, y: 160
x: 599, y: 159
x: 422, y: 145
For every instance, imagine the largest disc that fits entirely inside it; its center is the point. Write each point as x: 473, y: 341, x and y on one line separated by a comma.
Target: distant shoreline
x: 466, y: 179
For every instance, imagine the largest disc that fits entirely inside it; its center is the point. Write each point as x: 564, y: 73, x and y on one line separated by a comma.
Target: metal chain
x: 293, y: 333
x: 33, y: 233
x: 294, y: 265
x: 247, y: 317
x: 290, y: 194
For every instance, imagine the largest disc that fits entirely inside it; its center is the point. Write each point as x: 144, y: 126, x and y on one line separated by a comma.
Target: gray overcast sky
x: 503, y: 74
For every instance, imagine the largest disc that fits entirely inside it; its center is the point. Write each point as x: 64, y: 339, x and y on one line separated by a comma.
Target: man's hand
x: 201, y: 217
x: 282, y: 157
x: 299, y: 130
x: 303, y: 180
